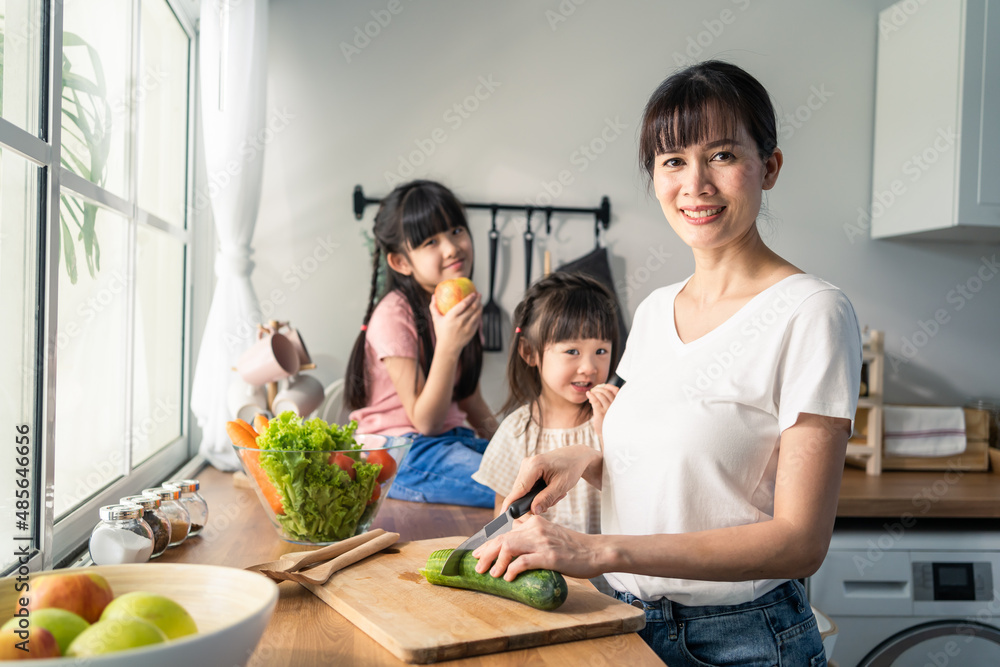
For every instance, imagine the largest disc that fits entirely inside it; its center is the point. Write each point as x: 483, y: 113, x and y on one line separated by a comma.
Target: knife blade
x: 497, y: 526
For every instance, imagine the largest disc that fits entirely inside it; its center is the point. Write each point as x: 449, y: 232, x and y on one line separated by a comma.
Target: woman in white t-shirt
x: 724, y: 450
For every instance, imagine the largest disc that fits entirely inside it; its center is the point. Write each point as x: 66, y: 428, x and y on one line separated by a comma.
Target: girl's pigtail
x: 523, y: 381
x: 355, y: 386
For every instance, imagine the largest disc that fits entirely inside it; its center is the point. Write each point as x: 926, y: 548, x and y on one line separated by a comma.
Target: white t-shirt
x: 515, y: 440
x: 691, y: 442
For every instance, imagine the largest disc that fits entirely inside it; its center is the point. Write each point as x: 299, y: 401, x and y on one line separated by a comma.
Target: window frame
x: 59, y: 542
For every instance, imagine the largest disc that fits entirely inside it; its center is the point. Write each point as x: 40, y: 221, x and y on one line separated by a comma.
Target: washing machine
x: 911, y: 592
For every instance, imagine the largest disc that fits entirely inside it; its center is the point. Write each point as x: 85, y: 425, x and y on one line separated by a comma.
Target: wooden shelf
x: 865, y: 449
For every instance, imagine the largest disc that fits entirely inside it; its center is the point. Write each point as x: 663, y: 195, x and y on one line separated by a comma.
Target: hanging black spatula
x: 492, y: 317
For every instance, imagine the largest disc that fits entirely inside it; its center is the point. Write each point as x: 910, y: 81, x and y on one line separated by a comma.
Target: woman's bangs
x: 693, y: 121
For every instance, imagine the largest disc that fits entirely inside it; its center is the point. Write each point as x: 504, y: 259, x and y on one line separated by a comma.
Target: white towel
x: 924, y: 431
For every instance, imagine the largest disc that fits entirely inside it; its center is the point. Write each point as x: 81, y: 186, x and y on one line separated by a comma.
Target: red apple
x: 27, y: 644
x: 85, y: 594
x: 449, y: 292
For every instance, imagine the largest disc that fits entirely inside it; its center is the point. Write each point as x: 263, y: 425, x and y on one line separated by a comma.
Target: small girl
x: 565, y: 340
x: 414, y: 371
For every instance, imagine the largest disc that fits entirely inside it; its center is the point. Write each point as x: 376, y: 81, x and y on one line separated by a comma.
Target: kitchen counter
x: 305, y: 631
x: 952, y: 494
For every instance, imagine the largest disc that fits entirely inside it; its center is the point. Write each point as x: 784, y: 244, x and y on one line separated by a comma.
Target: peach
x: 449, y: 292
x: 85, y: 594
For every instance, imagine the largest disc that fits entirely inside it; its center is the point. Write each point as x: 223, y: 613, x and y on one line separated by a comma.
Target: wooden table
x: 305, y: 631
x: 954, y: 494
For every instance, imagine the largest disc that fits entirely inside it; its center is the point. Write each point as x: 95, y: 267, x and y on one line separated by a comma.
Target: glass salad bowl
x: 320, y: 483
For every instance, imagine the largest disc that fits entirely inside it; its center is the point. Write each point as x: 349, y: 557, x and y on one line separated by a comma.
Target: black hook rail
x: 602, y: 214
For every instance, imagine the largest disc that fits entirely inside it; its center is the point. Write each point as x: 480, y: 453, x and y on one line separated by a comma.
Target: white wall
x: 558, y: 85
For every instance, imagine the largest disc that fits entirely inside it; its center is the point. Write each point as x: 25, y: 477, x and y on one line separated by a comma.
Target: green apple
x: 64, y: 625
x: 29, y: 643
x: 159, y: 610
x: 115, y: 634
x: 83, y: 593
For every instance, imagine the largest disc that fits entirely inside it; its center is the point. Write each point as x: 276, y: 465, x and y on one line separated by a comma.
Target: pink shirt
x: 392, y: 332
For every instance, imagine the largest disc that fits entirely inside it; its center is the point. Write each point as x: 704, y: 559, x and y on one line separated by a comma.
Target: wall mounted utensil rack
x: 602, y: 214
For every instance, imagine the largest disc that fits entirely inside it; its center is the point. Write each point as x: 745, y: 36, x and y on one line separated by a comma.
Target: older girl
x: 414, y: 371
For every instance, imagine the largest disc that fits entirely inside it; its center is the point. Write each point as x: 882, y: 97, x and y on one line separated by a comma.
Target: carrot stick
x: 247, y: 426
x: 260, y: 423
x: 238, y: 434
x: 241, y: 438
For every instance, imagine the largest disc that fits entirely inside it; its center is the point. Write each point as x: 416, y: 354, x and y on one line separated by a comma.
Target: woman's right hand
x: 561, y: 469
x: 454, y: 330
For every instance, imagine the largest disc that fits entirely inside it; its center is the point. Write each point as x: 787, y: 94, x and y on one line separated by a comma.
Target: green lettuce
x: 322, y: 503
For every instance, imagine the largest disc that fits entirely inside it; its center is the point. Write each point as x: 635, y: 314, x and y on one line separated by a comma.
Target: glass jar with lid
x: 180, y: 520
x: 121, y: 536
x: 155, y: 518
x: 193, y: 502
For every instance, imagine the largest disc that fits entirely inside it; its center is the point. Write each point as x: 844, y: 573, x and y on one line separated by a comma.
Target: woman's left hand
x: 537, y: 543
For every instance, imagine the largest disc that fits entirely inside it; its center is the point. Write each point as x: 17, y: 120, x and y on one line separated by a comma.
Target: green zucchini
x: 541, y: 589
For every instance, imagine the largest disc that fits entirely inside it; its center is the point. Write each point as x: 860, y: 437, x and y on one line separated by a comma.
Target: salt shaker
x: 193, y: 502
x: 121, y: 536
x: 180, y: 520
x: 155, y: 518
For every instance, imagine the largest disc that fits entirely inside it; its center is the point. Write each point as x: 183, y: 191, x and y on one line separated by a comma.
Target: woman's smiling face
x: 711, y: 191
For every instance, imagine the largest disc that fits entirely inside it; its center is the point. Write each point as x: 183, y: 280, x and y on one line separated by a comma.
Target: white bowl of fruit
x: 150, y: 614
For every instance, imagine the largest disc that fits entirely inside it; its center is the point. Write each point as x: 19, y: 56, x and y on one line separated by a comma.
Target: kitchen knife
x: 497, y: 526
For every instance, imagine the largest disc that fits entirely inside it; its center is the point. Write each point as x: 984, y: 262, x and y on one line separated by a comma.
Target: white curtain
x: 233, y: 71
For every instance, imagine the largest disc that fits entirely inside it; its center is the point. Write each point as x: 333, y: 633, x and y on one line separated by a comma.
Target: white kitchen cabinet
x: 936, y: 171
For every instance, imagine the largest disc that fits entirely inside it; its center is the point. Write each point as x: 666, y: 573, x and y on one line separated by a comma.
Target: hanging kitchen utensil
x: 529, y: 238
x: 492, y: 317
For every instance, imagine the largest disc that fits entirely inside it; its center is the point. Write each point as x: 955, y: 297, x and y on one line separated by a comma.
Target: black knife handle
x: 522, y: 505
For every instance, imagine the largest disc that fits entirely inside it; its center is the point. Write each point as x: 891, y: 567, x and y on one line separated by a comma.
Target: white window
x: 95, y: 175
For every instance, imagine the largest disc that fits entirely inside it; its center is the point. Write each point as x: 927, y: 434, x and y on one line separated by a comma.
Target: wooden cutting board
x: 386, y: 597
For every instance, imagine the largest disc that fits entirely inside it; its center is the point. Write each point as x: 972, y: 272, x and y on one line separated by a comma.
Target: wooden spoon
x: 297, y: 560
x: 319, y: 574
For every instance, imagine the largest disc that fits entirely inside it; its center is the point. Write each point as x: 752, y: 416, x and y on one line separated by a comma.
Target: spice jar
x: 121, y: 536
x: 154, y: 518
x: 193, y: 503
x: 180, y: 520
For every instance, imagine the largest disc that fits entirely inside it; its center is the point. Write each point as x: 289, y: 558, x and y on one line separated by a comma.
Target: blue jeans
x: 778, y: 628
x: 438, y: 469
